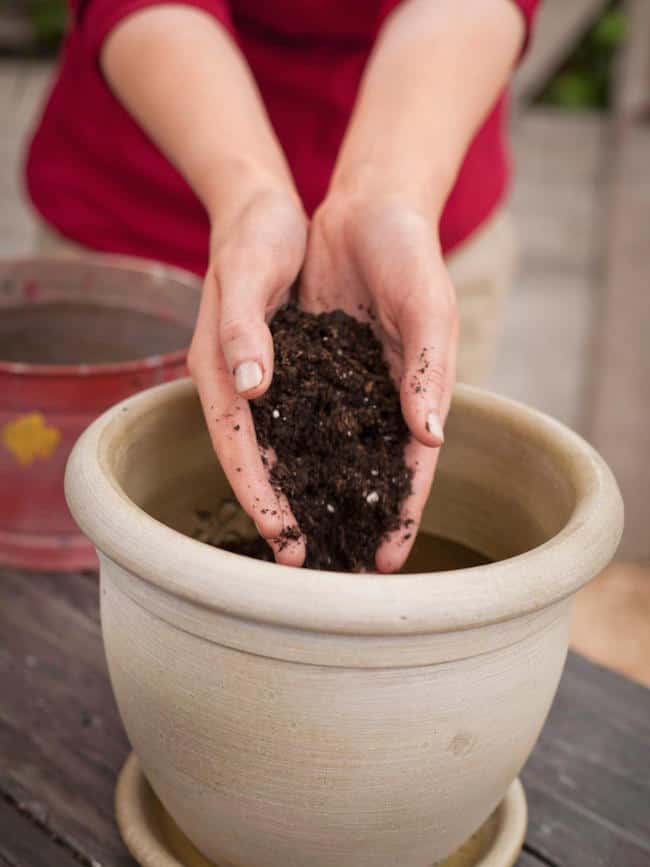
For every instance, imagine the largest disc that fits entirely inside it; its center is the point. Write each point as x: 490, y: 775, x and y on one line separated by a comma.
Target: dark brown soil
x: 255, y: 548
x: 429, y: 554
x: 333, y: 418
x: 232, y: 530
x: 57, y: 332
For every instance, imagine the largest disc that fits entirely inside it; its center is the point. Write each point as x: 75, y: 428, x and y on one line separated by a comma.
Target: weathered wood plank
x: 559, y: 187
x: 529, y: 859
x: 22, y: 87
x: 62, y: 744
x: 544, y: 354
x: 24, y: 844
x: 560, y: 26
x: 569, y: 837
x: 61, y: 740
x: 589, y: 777
x: 632, y: 91
x: 619, y: 418
x: 619, y: 404
x: 542, y: 358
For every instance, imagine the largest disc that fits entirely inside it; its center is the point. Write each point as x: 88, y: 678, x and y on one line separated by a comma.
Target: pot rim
x: 344, y: 603
x: 148, y: 267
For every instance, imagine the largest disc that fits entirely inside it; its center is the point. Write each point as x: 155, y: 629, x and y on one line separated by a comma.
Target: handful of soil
x: 333, y: 417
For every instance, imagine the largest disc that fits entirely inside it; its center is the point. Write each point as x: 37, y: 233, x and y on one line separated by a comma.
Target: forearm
x: 181, y: 76
x: 434, y: 74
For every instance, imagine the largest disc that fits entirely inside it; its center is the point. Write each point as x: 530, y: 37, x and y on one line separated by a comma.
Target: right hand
x: 372, y: 250
x: 257, y: 250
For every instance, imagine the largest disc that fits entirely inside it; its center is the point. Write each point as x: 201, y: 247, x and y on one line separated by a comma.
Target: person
x: 356, y: 148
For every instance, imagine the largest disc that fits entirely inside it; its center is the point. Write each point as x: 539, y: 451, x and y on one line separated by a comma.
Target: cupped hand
x: 257, y: 250
x: 379, y: 259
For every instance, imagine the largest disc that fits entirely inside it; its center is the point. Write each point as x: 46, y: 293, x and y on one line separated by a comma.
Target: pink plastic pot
x: 46, y: 404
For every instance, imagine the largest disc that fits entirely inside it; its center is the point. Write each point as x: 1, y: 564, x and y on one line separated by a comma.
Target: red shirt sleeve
x: 96, y: 18
x: 528, y: 9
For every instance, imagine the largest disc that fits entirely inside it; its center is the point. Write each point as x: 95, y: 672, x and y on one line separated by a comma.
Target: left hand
x: 257, y: 249
x: 382, y: 253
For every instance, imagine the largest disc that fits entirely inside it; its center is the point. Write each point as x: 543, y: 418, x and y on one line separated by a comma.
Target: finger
x: 230, y: 423
x: 254, y: 275
x: 428, y: 329
x: 233, y: 437
x: 423, y: 460
x: 249, y: 291
x: 395, y: 549
x: 289, y: 549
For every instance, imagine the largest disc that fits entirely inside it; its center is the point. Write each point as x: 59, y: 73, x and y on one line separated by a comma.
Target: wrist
x: 239, y: 180
x: 367, y: 185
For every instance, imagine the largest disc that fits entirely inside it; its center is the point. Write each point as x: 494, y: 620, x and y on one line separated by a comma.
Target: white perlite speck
x: 330, y: 508
x: 276, y: 413
x: 372, y: 498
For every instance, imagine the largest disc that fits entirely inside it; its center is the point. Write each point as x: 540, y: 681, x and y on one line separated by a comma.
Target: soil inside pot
x: 80, y: 333
x: 332, y: 417
x: 230, y: 529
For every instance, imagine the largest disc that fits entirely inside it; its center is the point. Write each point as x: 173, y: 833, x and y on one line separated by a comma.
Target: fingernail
x: 248, y: 375
x: 434, y: 427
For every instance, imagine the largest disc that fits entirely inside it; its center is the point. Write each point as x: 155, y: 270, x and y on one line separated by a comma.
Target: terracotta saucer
x: 154, y: 840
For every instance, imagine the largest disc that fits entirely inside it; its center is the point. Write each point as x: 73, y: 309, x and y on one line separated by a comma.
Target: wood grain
x: 62, y: 744
x: 61, y: 740
x: 529, y: 859
x: 545, y: 353
x: 24, y: 844
x: 559, y: 27
x: 620, y: 404
x: 23, y: 84
x: 632, y: 92
x: 588, y: 780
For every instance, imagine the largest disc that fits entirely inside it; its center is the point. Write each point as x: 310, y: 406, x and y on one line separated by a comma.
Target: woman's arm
x: 434, y: 74
x: 182, y: 77
x: 436, y: 71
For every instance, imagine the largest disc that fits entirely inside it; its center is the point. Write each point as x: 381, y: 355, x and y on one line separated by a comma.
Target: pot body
x: 45, y: 408
x: 269, y: 762
x: 287, y: 717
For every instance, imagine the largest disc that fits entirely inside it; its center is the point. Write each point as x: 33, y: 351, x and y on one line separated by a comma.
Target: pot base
x: 154, y: 840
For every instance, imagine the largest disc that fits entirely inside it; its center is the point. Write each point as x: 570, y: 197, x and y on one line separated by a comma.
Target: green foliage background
x: 48, y: 19
x: 585, y: 80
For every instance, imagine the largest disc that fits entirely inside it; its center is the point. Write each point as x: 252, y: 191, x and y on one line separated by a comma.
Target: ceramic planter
x: 44, y: 407
x: 288, y: 718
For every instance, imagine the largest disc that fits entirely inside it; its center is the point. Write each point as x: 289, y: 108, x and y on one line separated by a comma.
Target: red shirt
x: 100, y: 181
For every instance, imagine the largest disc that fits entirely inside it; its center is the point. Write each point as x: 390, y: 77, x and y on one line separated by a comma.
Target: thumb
x: 247, y: 294
x: 255, y: 268
x: 429, y: 336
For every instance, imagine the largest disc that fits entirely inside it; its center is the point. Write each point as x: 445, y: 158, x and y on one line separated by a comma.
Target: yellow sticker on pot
x: 29, y: 437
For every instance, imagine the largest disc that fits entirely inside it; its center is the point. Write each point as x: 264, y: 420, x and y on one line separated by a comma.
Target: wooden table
x: 62, y: 744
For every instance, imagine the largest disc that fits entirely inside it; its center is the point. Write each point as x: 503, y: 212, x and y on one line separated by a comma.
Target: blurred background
x: 577, y: 337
